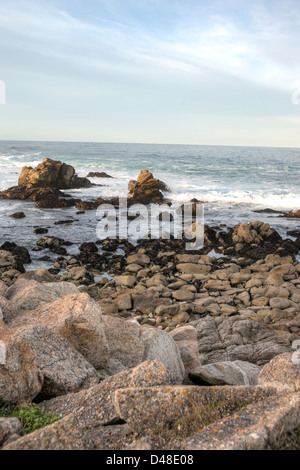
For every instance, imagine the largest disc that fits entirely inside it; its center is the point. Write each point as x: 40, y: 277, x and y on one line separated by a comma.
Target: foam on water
x: 232, y: 181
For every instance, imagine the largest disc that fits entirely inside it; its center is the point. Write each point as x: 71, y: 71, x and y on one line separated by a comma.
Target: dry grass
x: 200, y: 417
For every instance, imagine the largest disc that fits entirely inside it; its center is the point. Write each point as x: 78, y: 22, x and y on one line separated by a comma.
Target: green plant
x: 31, y: 416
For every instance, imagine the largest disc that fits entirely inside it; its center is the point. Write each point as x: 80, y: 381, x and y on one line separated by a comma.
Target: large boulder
x: 124, y: 341
x: 8, y: 428
x: 51, y: 174
x: 78, y: 319
x: 7, y: 309
x: 147, y: 189
x: 225, y: 373
x: 149, y: 408
x: 64, y: 370
x: 186, y: 340
x: 282, y: 372
x: 20, y: 377
x: 10, y: 262
x: 28, y: 295
x: 238, y: 338
x: 159, y: 345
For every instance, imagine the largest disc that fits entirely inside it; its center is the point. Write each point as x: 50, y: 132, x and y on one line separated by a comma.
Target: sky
x: 205, y: 72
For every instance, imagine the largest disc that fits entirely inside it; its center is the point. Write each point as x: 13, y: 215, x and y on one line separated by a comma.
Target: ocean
x: 233, y: 182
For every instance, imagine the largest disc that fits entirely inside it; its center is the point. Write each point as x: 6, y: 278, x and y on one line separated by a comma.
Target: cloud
x: 122, y: 59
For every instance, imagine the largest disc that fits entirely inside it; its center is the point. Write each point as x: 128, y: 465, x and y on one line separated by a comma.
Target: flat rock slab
x: 253, y: 428
x: 114, y: 437
x: 191, y: 268
x: 238, y: 338
x: 78, y: 319
x: 95, y: 407
x: 145, y: 408
x: 62, y: 435
x: 282, y: 373
x: 225, y: 373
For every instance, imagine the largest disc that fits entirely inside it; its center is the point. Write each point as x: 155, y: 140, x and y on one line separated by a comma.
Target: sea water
x: 233, y: 183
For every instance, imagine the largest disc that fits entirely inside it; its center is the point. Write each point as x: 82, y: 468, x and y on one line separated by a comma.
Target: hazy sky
x: 165, y: 71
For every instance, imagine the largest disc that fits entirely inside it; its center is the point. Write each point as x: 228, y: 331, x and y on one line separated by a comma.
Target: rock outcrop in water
x: 52, y: 174
x: 43, y: 185
x: 147, y: 189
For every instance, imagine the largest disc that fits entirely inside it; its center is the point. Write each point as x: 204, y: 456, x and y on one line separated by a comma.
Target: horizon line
x: 148, y: 143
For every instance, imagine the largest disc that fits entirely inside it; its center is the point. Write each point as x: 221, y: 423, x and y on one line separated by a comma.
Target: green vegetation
x: 31, y: 416
x: 200, y: 417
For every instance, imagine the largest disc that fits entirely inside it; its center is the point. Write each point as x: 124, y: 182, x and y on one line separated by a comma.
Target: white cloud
x: 130, y: 62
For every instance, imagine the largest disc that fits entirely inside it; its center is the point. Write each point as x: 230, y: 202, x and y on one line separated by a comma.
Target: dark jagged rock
x: 18, y: 215
x: 46, y: 198
x: 268, y: 211
x: 97, y: 174
x: 89, y: 247
x: 19, y: 251
x: 41, y: 231
x: 64, y: 222
x: 53, y: 202
x: 293, y: 215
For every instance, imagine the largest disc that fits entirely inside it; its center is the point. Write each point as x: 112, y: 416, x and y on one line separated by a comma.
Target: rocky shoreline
x: 123, y: 347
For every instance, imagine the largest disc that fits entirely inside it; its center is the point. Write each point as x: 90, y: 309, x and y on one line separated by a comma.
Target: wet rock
x: 41, y: 231
x: 146, y: 189
x: 18, y: 215
x: 97, y: 174
x: 10, y: 262
x: 50, y: 242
